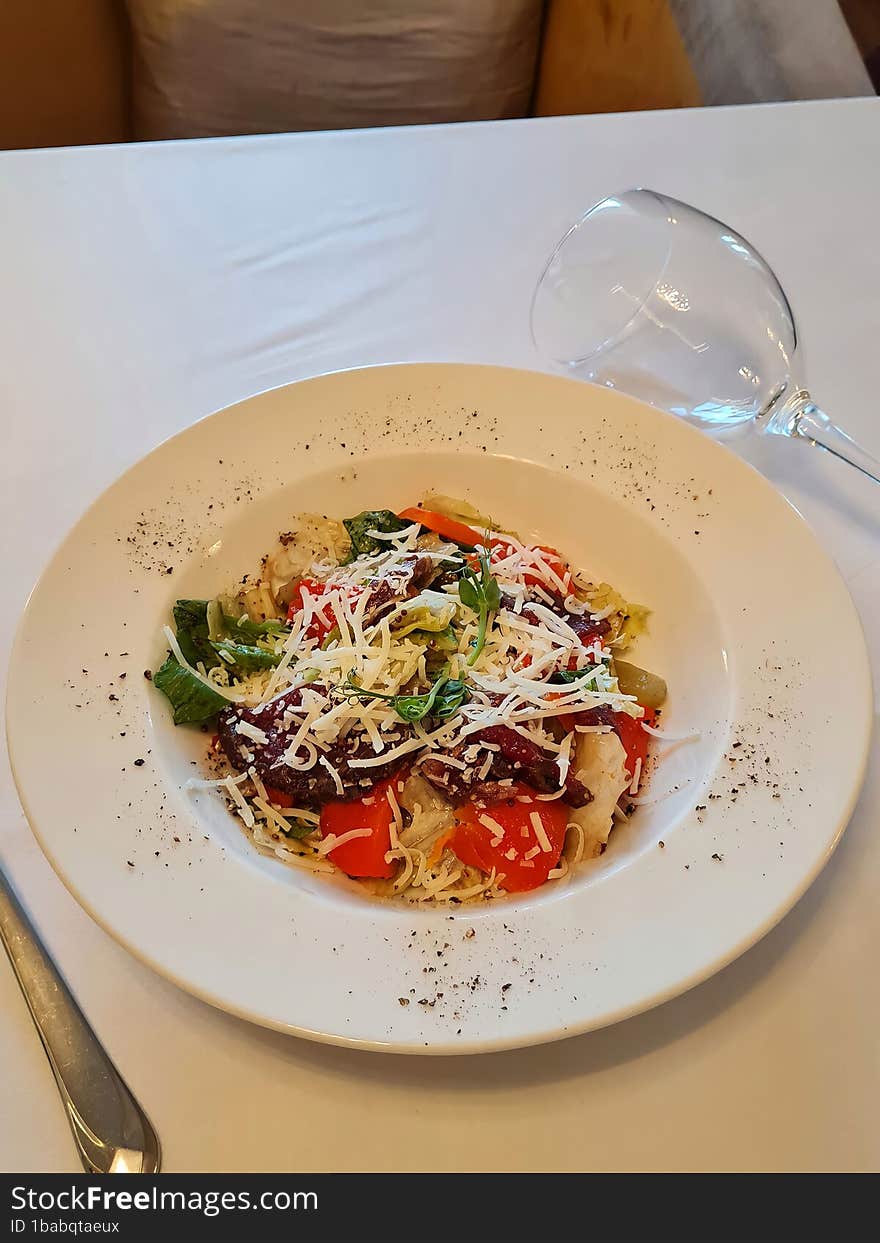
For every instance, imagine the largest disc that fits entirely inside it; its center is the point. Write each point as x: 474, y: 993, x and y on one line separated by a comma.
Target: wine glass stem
x: 801, y: 417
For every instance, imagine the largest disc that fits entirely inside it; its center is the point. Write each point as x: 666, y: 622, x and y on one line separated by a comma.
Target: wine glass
x: 651, y: 296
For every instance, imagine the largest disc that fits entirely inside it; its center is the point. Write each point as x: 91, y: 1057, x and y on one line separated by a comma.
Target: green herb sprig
x: 442, y: 701
x: 482, y: 595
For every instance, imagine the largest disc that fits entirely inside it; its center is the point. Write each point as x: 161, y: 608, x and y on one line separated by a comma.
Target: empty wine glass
x: 653, y: 297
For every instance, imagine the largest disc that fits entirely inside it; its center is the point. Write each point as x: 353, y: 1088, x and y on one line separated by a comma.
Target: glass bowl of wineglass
x: 656, y: 298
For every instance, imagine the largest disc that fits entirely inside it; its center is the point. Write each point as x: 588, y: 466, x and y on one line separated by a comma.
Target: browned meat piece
x: 603, y: 715
x: 313, y: 787
x: 413, y: 575
x: 518, y: 758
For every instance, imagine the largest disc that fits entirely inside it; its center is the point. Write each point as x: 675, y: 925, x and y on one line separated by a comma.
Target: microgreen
x: 480, y: 593
x: 442, y: 701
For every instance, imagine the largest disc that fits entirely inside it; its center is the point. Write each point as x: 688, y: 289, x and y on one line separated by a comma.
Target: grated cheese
x: 396, y: 826
x: 240, y: 802
x: 300, y: 813
x: 331, y: 841
x: 258, y: 783
x: 193, y: 783
x: 271, y: 814
x: 540, y: 832
x: 337, y: 780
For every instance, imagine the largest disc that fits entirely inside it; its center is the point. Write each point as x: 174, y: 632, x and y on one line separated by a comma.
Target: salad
x: 420, y: 700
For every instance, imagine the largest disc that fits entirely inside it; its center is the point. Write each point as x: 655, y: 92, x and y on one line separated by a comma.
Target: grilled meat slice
x: 404, y: 582
x: 310, y: 787
x: 518, y: 758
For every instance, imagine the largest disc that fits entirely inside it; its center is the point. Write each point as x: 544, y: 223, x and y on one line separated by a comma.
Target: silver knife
x: 112, y: 1133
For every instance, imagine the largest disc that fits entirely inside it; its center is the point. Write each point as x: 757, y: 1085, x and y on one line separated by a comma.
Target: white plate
x: 751, y: 626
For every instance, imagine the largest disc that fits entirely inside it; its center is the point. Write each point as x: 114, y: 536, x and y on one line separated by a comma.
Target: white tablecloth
x: 144, y: 286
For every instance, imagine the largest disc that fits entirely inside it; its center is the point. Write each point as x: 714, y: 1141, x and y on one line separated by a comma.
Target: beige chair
x: 91, y: 71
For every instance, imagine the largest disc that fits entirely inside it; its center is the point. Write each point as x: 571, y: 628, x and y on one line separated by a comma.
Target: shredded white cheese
x: 331, y: 841
x: 337, y: 780
x: 540, y: 832
x: 241, y: 803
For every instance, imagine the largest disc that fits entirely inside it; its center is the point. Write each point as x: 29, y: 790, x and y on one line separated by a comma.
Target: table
x: 147, y: 285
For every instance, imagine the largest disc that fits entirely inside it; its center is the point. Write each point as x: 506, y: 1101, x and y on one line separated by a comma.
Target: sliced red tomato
x: 502, y: 548
x: 448, y: 528
x: 555, y: 563
x: 472, y: 840
x: 635, y: 740
x: 323, y: 620
x: 362, y: 856
x: 279, y: 797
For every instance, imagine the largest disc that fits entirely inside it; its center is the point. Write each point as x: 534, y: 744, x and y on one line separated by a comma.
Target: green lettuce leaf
x: 245, y: 658
x: 243, y: 627
x: 193, y: 632
x: 421, y: 618
x: 298, y: 829
x: 371, y: 520
x: 190, y: 698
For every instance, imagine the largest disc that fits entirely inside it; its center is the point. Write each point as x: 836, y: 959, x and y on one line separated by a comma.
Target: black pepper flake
x: 129, y: 862
x: 139, y: 763
x: 718, y: 858
x: 404, y: 1001
x: 148, y: 675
